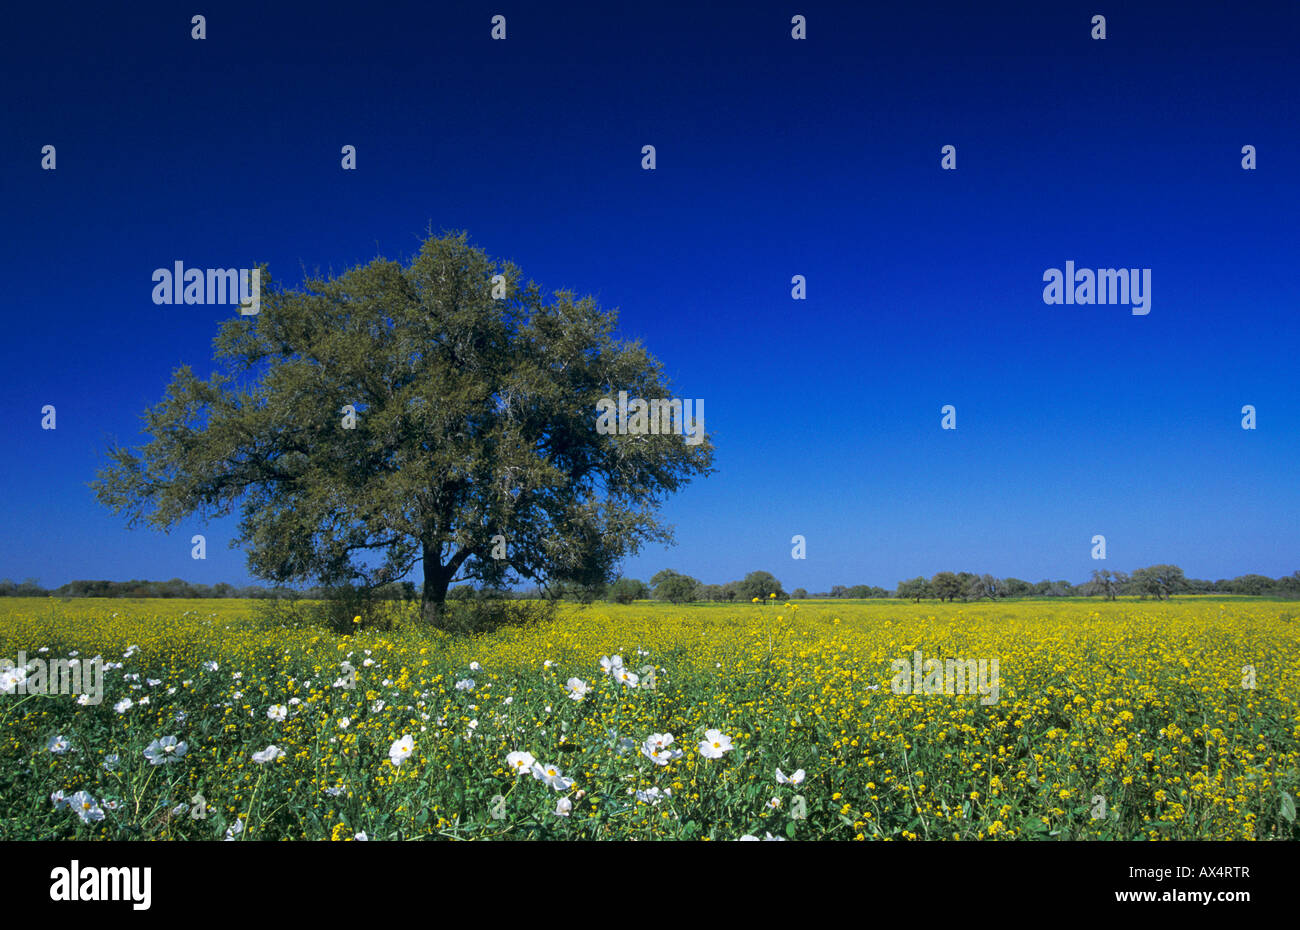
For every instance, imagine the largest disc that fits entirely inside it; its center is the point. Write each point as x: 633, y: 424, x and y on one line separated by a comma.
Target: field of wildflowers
x: 1123, y: 720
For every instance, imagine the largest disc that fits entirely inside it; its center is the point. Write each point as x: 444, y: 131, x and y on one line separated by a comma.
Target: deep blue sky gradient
x: 775, y: 158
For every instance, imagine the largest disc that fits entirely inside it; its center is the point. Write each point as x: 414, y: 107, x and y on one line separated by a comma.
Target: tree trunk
x: 437, y: 578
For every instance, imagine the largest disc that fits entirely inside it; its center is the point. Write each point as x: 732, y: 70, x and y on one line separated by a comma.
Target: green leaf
x: 1288, y: 808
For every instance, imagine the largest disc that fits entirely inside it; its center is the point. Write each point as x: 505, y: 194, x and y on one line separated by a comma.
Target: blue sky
x: 775, y: 157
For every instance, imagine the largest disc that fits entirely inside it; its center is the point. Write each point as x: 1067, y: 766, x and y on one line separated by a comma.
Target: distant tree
x: 679, y: 590
x: 839, y: 591
x: 627, y: 590
x: 1159, y: 581
x: 760, y: 585
x: 674, y: 587
x: 800, y: 594
x: 946, y: 586
x: 1015, y: 587
x: 30, y: 588
x: 580, y: 592
x: 986, y: 587
x: 915, y: 589
x: 711, y: 592
x: 1255, y: 585
x: 1104, y: 582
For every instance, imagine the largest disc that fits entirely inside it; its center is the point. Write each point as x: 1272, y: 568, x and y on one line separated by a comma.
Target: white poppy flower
x: 551, y: 776
x: 655, y: 748
x: 11, y: 678
x: 401, y: 749
x: 165, y: 751
x: 269, y: 754
x: 520, y: 762
x: 87, y: 808
x: 653, y: 795
x: 714, y: 744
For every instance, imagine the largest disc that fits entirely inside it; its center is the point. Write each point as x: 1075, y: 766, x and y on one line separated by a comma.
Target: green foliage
x: 760, y: 585
x: 492, y: 611
x: 341, y: 609
x: 915, y: 589
x: 674, y: 587
x: 1158, y: 581
x: 580, y: 593
x: 627, y: 590
x: 946, y: 585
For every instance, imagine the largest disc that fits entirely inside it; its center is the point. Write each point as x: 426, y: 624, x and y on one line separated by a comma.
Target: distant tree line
x: 177, y: 587
x: 1156, y: 581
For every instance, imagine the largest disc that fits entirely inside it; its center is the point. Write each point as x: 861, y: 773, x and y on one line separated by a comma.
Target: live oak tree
x: 916, y: 588
x: 438, y: 414
x: 760, y: 585
x: 946, y: 585
x: 1162, y: 581
x: 674, y: 587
